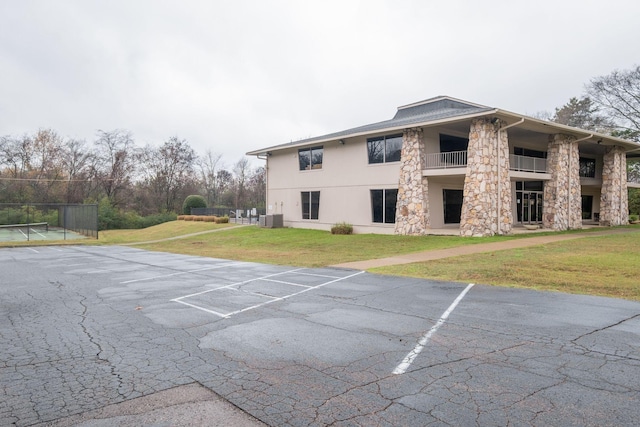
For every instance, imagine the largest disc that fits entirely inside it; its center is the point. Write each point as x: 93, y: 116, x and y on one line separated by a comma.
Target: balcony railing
x: 458, y: 159
x: 453, y: 159
x: 527, y: 164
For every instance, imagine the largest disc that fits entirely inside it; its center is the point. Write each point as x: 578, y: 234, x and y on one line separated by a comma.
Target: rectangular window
x: 383, y: 205
x: 519, y: 151
x: 384, y: 149
x: 587, y: 207
x: 452, y: 202
x: 587, y: 168
x: 310, y: 158
x: 310, y: 204
x: 450, y: 143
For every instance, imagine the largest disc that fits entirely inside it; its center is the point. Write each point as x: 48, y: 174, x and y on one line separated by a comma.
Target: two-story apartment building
x: 444, y: 163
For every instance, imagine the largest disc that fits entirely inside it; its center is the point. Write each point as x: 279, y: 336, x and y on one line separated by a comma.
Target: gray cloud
x: 236, y: 76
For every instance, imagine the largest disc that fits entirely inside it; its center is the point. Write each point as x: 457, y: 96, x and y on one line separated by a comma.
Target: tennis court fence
x: 40, y: 221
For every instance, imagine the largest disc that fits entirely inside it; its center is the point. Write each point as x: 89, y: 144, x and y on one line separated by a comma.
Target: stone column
x: 614, y: 203
x: 412, y: 207
x: 487, y: 187
x: 562, y: 202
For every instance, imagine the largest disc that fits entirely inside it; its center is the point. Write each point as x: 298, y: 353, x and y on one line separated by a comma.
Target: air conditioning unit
x: 271, y: 221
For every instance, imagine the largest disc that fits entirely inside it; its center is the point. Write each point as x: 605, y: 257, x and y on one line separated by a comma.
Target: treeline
x: 122, y: 176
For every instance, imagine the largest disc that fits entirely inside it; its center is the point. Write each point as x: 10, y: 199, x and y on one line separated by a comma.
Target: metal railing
x: 452, y: 159
x: 527, y: 164
x: 458, y: 159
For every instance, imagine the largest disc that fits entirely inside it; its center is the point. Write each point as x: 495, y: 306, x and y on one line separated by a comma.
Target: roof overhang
x: 529, y: 124
x: 356, y: 133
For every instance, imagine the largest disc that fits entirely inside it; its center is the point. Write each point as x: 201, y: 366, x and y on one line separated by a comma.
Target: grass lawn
x: 606, y: 266
x: 305, y: 248
x: 162, y: 231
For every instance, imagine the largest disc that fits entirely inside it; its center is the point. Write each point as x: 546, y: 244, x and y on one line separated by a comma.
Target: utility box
x: 277, y: 221
x: 271, y: 221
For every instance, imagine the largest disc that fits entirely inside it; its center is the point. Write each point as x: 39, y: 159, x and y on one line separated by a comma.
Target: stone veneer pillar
x: 614, y: 203
x: 562, y: 202
x: 487, y: 186
x: 412, y: 207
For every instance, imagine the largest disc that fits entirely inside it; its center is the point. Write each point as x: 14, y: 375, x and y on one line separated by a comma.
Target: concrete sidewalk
x: 475, y: 249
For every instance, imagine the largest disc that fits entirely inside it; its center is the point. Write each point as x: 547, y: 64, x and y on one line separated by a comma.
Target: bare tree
x: 257, y: 187
x: 241, y: 171
x: 114, y: 164
x: 208, y: 165
x: 76, y: 163
x: 618, y: 94
x: 168, y: 170
x: 46, y: 166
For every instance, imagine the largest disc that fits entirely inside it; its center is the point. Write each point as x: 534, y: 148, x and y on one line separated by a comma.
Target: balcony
x: 458, y: 159
x: 527, y: 164
x: 453, y: 159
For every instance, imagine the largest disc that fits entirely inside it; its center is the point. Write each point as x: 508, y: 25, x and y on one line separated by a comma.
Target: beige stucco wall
x: 346, y: 179
x: 344, y: 182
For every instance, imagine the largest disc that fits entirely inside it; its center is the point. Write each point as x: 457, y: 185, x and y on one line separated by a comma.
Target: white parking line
x: 407, y: 361
x: 292, y: 295
x: 231, y: 285
x: 162, y: 276
x: 286, y: 283
x: 263, y: 278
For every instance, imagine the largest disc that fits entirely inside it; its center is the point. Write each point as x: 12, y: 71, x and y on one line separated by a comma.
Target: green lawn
x: 305, y: 248
x: 162, y: 231
x: 606, y: 266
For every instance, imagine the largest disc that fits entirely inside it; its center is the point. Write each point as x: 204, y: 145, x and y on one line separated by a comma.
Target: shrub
x: 151, y: 220
x: 181, y: 217
x: 199, y: 218
x: 193, y: 201
x: 633, y: 218
x: 222, y: 220
x: 189, y: 217
x: 342, y: 228
x: 209, y: 219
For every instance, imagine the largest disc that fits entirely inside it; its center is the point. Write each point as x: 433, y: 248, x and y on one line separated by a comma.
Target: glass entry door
x: 529, y: 206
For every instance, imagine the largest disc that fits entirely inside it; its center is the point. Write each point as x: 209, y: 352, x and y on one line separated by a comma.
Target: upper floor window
x: 519, y: 151
x: 310, y: 158
x: 587, y: 167
x: 384, y: 149
x: 449, y: 143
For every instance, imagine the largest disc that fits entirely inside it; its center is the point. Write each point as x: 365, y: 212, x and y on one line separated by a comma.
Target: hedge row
x: 204, y: 218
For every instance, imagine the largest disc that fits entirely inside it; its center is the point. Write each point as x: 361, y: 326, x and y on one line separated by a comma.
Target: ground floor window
x: 452, y: 201
x: 383, y: 205
x: 587, y: 207
x: 310, y: 204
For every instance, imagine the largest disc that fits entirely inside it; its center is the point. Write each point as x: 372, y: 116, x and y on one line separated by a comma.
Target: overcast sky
x: 233, y: 76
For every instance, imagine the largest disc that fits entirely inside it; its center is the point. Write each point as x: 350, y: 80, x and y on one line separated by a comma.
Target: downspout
x: 499, y: 201
x: 569, y: 193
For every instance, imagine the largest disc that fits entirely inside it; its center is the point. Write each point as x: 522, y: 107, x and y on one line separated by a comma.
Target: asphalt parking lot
x: 82, y: 328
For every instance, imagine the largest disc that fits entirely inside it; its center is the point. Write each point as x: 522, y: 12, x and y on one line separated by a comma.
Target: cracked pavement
x: 82, y: 328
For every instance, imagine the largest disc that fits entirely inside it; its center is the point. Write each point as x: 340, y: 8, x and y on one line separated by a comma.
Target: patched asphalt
x: 121, y: 336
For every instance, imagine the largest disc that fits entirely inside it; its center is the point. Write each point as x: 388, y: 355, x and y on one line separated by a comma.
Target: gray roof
x: 447, y: 109
x: 433, y: 109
